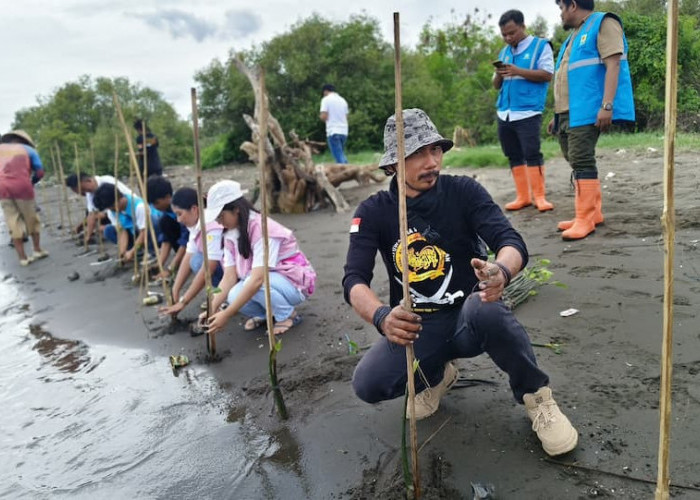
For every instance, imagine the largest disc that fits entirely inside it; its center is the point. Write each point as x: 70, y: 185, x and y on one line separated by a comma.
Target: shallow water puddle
x: 85, y: 421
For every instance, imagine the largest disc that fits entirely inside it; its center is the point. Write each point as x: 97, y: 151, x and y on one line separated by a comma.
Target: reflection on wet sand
x: 67, y: 355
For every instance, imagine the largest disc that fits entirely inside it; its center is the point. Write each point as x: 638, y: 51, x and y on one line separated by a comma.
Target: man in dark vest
x: 592, y: 88
x: 148, y: 148
x: 523, y: 75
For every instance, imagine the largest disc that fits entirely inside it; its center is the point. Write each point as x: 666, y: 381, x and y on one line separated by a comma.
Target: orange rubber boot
x: 597, y: 216
x: 536, y: 177
x: 522, y: 189
x: 587, y: 192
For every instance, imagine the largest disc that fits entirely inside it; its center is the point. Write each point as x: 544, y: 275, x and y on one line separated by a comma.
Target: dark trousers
x: 520, y: 141
x: 465, y: 332
x: 578, y: 146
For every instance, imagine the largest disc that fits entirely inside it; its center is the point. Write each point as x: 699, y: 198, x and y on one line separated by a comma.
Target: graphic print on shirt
x: 430, y: 273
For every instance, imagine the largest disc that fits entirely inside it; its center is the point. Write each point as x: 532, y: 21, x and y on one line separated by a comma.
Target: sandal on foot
x: 253, y: 323
x: 26, y: 262
x: 283, y: 326
x: 41, y: 254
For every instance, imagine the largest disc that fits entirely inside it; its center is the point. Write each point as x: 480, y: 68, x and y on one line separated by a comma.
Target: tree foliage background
x: 82, y: 113
x: 448, y: 73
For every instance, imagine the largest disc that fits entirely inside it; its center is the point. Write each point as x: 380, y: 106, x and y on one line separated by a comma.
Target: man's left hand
x: 508, y: 70
x: 491, y: 280
x: 604, y: 120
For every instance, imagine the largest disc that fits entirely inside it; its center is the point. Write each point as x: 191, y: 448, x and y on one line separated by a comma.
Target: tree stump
x: 294, y: 183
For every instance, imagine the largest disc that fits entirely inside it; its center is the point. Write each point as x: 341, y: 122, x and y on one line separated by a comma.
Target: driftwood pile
x: 294, y: 183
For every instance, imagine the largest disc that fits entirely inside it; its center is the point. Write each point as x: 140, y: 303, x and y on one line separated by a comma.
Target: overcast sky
x: 161, y: 44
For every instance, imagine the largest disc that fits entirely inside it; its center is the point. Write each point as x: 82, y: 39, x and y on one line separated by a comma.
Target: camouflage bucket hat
x: 419, y: 131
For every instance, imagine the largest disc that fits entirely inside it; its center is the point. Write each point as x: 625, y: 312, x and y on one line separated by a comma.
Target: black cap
x: 328, y: 87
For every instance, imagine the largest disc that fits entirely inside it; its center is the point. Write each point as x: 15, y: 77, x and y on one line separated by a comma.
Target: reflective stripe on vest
x: 591, y: 62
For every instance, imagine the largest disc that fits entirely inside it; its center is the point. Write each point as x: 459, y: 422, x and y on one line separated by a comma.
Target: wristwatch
x: 607, y: 106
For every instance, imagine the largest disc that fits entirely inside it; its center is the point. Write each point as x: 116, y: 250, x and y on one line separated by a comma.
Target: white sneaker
x: 428, y: 400
x: 553, y: 429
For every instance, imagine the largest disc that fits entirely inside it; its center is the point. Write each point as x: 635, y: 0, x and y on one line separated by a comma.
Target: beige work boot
x: 553, y: 429
x: 428, y: 400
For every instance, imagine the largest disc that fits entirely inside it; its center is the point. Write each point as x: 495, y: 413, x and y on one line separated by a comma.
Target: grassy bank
x: 490, y: 155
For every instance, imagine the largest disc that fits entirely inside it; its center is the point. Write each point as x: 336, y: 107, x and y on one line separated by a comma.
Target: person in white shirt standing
x: 523, y: 72
x: 334, y: 111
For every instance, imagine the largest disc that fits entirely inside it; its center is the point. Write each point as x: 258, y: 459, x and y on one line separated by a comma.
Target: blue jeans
x: 283, y: 295
x: 110, y: 234
x: 196, y: 264
x: 336, y: 143
x: 465, y: 332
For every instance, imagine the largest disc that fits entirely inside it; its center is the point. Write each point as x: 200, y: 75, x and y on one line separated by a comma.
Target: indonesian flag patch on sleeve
x: 355, y: 225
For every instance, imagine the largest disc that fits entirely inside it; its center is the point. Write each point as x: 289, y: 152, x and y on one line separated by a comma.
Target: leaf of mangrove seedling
x: 559, y: 284
x: 545, y: 262
x: 532, y: 293
x: 353, y: 348
x: 278, y: 345
x: 415, y: 365
x: 212, y: 290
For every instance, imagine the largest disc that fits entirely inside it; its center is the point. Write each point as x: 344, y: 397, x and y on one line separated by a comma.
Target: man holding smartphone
x: 592, y: 88
x: 523, y: 72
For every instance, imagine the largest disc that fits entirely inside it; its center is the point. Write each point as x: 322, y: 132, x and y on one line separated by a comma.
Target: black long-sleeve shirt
x: 447, y: 227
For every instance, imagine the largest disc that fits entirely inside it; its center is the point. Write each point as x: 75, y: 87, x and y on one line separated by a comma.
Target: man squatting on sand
x: 456, y: 293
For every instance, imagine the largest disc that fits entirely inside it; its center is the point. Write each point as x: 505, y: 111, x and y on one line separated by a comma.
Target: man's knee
x: 365, y: 385
x: 363, y: 388
x: 489, y: 319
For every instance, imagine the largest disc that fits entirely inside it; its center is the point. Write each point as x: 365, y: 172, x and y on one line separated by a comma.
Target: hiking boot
x: 428, y: 400
x: 553, y: 429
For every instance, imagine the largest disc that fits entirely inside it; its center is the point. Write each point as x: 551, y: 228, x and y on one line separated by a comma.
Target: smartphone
x: 498, y: 63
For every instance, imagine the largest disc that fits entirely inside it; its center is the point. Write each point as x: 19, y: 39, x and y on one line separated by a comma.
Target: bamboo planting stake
x: 403, y: 229
x: 144, y: 197
x: 42, y: 192
x: 80, y: 193
x: 142, y: 187
x: 262, y: 137
x: 668, y: 220
x: 65, y: 191
x: 116, y: 179
x: 97, y: 222
x: 58, y: 177
x: 136, y: 275
x: 211, y: 338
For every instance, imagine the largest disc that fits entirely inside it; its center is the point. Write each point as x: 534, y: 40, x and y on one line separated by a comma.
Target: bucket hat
x: 19, y: 134
x: 419, y: 131
x: 221, y: 194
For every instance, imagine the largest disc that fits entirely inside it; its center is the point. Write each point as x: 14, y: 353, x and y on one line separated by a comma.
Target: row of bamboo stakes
x: 668, y: 222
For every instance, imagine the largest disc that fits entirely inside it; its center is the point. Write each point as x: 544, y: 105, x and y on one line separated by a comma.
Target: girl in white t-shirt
x: 186, y: 209
x: 291, y: 276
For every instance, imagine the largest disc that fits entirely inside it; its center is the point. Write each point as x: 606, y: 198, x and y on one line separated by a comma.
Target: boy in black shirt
x: 172, y: 234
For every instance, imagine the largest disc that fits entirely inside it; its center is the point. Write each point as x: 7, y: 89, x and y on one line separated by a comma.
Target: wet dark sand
x: 334, y: 446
